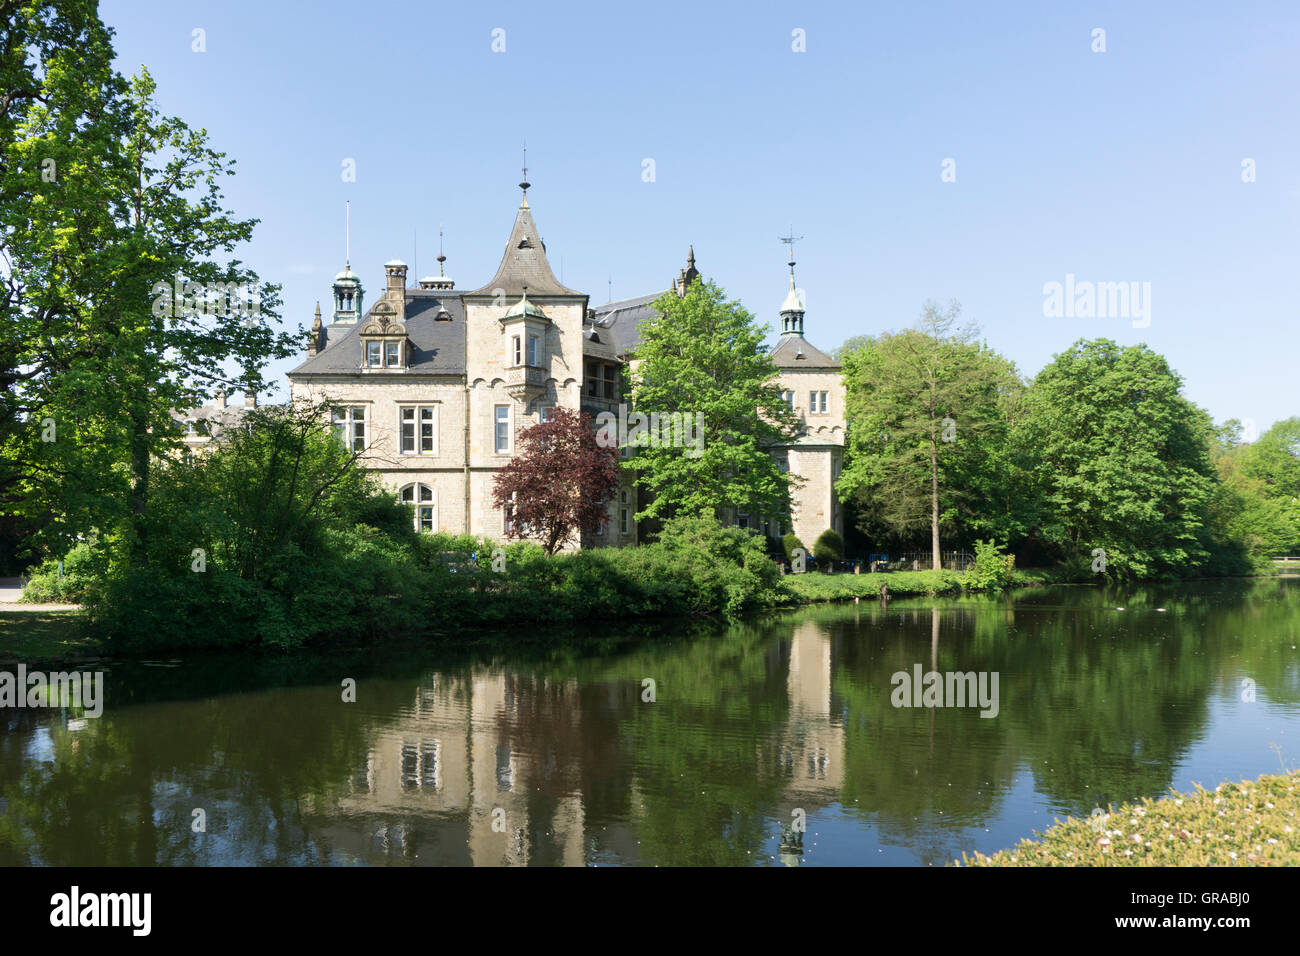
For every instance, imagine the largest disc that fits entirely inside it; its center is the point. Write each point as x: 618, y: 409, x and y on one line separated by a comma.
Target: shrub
x: 789, y: 543
x: 83, y: 568
x: 829, y: 546
x: 992, y: 569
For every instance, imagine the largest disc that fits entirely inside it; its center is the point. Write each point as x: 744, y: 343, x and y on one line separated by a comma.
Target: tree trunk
x: 934, y: 502
x: 139, y: 488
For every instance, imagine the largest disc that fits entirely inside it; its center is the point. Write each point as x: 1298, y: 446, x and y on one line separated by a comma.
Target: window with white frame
x: 516, y: 351
x: 393, y: 354
x: 547, y: 413
x: 417, y: 430
x: 817, y: 402
x: 350, y: 427
x: 374, y: 354
x: 420, y: 497
x: 788, y: 398
x: 503, y: 429
x: 532, y: 350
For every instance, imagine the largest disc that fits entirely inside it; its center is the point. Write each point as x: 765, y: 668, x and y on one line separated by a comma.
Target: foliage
x: 790, y: 543
x: 93, y: 357
x: 928, y: 411
x: 83, y: 567
x: 993, y: 569
x: 557, y: 486
x: 704, y: 357
x: 829, y: 546
x: 1252, y: 823
x: 1119, y: 459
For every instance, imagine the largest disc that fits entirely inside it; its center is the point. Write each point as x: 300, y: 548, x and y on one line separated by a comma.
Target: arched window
x: 421, y: 498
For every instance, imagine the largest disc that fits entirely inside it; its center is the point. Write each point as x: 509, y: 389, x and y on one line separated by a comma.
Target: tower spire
x: 792, y: 310
x: 524, y: 184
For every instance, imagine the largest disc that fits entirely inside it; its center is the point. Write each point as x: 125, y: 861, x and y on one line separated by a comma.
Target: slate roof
x: 619, y: 323
x: 794, y: 351
x: 524, y: 263
x: 434, y: 347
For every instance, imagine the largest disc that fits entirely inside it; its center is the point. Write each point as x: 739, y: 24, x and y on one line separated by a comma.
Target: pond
x: 773, y: 742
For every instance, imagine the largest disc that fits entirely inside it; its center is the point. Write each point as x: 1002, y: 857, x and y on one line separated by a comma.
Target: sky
x: 962, y: 151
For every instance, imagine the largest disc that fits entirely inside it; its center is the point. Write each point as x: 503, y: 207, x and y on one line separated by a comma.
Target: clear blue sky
x: 1115, y: 166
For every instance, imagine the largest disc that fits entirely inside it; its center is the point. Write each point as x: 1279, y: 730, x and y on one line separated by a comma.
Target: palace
x: 431, y: 385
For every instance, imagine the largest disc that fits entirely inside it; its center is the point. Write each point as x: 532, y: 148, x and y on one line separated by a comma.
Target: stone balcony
x: 526, y: 382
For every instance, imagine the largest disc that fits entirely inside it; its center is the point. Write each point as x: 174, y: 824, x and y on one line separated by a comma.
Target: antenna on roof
x: 441, y: 257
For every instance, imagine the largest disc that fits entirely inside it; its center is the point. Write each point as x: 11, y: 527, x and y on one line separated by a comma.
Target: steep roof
x: 618, y: 324
x: 435, y: 347
x: 524, y: 263
x: 794, y: 351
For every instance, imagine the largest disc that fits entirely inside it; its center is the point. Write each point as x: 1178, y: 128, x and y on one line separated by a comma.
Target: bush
x: 83, y: 568
x: 789, y: 543
x: 829, y: 546
x: 992, y: 570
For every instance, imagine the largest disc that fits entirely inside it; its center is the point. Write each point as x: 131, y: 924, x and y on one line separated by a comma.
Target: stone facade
x: 431, y: 386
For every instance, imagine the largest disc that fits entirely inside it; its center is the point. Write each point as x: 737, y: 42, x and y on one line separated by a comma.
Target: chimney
x: 395, y: 286
x: 220, y: 398
x: 395, y: 282
x: 250, y: 398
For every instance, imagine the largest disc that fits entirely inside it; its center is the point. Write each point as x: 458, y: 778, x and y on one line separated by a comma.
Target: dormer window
x: 393, y: 354
x: 374, y: 357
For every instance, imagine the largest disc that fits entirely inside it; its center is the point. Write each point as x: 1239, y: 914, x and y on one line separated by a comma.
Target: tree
x: 559, y: 482
x: 703, y: 358
x: 1120, y: 459
x: 927, y: 409
x: 99, y: 345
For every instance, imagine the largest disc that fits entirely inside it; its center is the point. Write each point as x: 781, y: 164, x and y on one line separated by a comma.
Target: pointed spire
x: 524, y: 184
x: 441, y: 258
x: 792, y: 309
x: 524, y: 262
x: 316, y: 321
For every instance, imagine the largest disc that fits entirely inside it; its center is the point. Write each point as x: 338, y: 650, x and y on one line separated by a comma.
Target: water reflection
x: 549, y: 756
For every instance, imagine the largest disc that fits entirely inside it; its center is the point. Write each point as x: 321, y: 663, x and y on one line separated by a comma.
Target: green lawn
x: 1252, y: 823
x: 43, y: 636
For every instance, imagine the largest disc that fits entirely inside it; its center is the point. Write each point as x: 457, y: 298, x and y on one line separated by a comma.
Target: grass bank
x: 32, y: 636
x: 815, y: 587
x: 1252, y: 823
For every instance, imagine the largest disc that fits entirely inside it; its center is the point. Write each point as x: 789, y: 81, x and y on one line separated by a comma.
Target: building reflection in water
x: 487, y: 768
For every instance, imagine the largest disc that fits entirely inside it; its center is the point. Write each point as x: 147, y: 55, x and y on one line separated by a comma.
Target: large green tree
x: 928, y: 410
x: 107, y: 205
x: 1120, y: 460
x: 703, y: 357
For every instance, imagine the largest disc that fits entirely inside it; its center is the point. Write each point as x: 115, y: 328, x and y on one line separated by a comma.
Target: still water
x: 542, y: 751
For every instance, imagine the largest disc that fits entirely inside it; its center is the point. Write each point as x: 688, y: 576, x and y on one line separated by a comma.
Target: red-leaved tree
x: 559, y: 481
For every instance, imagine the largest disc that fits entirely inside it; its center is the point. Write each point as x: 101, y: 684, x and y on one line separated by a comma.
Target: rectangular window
x: 624, y: 521
x: 350, y: 427
x: 516, y: 355
x: 611, y: 373
x: 532, y: 350
x: 548, y: 413
x: 503, y: 429
x: 406, y: 431
x: 817, y: 402
x: 428, y: 445
x: 373, y: 357
x: 593, y: 375
x: 416, y: 432
x: 788, y: 397
x: 392, y: 354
